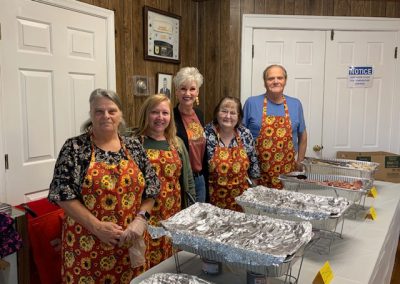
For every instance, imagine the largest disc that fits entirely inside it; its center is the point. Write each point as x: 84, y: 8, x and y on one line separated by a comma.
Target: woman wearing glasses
x: 231, y: 156
x: 189, y: 122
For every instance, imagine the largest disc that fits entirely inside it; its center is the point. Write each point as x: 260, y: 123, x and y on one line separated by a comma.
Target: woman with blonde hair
x: 170, y: 159
x: 189, y: 121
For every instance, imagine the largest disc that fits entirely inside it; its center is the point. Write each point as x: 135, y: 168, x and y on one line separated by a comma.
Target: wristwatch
x: 144, y: 214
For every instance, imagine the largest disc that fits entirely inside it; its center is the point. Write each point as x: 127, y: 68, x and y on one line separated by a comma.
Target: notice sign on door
x: 360, y: 77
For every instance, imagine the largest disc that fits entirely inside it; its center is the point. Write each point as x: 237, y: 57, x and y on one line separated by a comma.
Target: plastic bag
x: 137, y: 253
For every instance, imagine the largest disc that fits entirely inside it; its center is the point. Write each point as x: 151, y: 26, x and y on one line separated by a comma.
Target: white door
x: 51, y: 59
x: 302, y: 53
x: 359, y: 119
x: 337, y: 118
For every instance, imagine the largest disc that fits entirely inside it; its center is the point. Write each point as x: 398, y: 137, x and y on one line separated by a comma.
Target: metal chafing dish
x: 312, y: 183
x: 341, y: 167
x: 323, y: 212
x: 173, y: 278
x: 256, y: 243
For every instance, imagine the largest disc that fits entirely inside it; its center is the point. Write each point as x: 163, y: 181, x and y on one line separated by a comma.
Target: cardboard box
x: 389, y: 163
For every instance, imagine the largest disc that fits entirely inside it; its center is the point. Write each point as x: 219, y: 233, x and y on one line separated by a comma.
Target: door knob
x: 318, y: 148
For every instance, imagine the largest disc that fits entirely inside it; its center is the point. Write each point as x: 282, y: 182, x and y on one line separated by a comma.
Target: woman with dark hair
x: 107, y: 187
x: 231, y: 156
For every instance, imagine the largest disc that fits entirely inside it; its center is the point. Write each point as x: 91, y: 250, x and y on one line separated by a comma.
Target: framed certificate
x: 161, y: 35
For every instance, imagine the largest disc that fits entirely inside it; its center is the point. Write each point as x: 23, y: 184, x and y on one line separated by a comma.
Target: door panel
x: 302, y: 53
x: 358, y: 119
x: 54, y: 58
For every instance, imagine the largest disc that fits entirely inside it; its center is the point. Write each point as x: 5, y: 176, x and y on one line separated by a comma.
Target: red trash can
x: 44, y: 229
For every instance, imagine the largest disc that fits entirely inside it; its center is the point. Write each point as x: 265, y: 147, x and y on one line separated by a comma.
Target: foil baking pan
x: 310, y: 183
x: 277, y: 270
x: 173, y: 278
x: 324, y: 212
x: 342, y: 167
x: 256, y: 243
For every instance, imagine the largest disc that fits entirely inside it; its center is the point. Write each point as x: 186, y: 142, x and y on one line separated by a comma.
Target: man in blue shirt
x: 277, y: 123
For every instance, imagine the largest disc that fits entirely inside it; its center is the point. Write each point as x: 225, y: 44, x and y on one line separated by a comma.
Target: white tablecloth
x: 365, y: 254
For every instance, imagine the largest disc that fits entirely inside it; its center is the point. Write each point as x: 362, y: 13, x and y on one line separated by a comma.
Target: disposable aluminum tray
x: 251, y: 242
x: 310, y: 184
x: 268, y: 271
x: 173, y: 278
x: 342, y: 167
x: 323, y: 212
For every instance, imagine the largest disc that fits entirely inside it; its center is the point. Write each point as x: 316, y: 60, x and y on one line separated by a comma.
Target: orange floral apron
x: 227, y: 175
x: 275, y: 147
x: 167, y: 165
x: 112, y: 193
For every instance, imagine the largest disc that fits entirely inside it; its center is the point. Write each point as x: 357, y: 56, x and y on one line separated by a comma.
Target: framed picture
x: 164, y: 84
x: 161, y: 35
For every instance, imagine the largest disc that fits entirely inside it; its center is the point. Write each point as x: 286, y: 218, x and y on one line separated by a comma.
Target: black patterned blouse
x: 74, y: 159
x: 247, y: 141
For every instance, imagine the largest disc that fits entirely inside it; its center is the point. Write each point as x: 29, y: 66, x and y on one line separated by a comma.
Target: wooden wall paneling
x: 391, y: 8
x: 102, y: 3
x: 212, y: 74
x: 259, y: 6
x: 342, y: 8
x: 246, y: 6
x: 275, y: 7
x: 190, y: 36
x: 87, y: 1
x: 227, y: 80
x: 396, y: 9
x: 299, y: 7
x: 235, y: 46
x: 314, y: 7
x: 202, y: 35
x: 133, y: 55
x: 117, y: 7
x: 327, y: 7
x: 289, y: 7
x: 357, y: 8
x: 378, y: 8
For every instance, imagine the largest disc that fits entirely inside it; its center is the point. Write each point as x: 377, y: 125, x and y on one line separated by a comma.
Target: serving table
x: 365, y: 253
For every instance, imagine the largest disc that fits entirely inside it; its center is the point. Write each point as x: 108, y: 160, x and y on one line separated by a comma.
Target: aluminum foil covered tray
x: 172, y: 278
x: 324, y: 212
x: 342, y: 167
x: 235, y: 237
x: 285, y: 202
x: 352, y: 188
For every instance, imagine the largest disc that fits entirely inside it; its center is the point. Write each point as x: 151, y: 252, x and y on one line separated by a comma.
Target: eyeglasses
x: 225, y: 112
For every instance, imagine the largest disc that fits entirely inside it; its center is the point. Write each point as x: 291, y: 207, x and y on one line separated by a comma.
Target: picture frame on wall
x: 161, y: 35
x: 164, y: 84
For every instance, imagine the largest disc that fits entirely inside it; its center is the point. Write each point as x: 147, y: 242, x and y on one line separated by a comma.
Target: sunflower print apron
x: 228, y: 175
x: 275, y: 147
x: 112, y: 193
x: 167, y: 165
